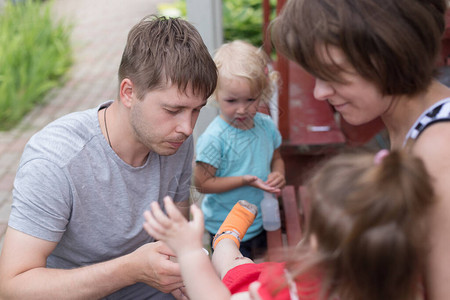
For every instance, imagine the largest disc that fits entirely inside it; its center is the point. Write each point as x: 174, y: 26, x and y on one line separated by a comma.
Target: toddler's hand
x: 276, y: 179
x: 258, y: 183
x: 173, y: 229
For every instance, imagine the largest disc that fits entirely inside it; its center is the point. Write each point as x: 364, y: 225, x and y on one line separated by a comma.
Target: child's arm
x: 206, y: 182
x: 185, y: 239
x: 276, y: 177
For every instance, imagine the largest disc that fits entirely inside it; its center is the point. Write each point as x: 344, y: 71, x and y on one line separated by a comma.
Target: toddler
x: 238, y: 155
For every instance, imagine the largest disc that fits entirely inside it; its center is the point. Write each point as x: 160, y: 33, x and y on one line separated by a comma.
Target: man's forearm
x: 90, y: 282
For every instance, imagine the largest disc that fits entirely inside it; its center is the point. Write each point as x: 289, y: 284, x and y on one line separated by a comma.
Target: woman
x: 375, y: 58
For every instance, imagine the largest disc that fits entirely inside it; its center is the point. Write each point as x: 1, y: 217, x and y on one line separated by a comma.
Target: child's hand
x: 256, y: 182
x: 173, y: 229
x: 276, y: 179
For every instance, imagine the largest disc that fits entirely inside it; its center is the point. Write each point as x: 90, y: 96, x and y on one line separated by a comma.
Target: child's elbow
x: 198, y: 183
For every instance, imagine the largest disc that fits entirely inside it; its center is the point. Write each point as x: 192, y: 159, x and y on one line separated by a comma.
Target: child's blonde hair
x: 368, y: 217
x: 243, y: 60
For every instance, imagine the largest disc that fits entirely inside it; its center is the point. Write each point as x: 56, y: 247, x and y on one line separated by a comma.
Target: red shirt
x: 271, y: 276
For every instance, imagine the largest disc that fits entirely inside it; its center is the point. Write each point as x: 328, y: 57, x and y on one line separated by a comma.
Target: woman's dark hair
x: 393, y: 43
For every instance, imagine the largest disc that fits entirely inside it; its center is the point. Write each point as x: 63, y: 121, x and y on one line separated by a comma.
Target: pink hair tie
x: 380, y: 156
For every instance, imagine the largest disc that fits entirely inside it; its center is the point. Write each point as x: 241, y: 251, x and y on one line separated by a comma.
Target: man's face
x: 165, y: 118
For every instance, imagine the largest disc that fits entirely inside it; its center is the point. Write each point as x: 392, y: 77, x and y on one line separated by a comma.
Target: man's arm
x: 24, y: 275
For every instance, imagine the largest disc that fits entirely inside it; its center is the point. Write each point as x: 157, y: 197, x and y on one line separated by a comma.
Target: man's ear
x: 127, y: 92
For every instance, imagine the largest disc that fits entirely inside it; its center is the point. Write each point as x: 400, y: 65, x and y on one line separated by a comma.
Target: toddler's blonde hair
x: 243, y: 60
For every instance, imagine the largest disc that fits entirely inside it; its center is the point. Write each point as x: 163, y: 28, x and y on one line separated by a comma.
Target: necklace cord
x: 106, y: 126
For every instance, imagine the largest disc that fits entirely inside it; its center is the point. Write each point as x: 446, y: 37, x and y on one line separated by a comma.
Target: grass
x: 35, y: 53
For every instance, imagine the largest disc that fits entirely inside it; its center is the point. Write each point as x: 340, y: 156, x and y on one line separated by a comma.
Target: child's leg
x: 227, y: 240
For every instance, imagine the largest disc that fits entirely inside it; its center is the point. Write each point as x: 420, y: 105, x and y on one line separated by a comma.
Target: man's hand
x: 180, y: 294
x: 156, y: 268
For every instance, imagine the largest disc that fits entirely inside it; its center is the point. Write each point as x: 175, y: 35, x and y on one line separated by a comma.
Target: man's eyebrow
x: 185, y: 106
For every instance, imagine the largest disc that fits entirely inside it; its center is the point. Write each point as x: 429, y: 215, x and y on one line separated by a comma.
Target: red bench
x: 294, y: 210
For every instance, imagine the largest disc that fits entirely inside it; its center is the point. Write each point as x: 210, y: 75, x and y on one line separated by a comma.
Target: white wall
x: 206, y: 16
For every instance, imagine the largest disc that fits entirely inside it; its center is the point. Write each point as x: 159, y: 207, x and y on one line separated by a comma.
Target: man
x: 84, y: 181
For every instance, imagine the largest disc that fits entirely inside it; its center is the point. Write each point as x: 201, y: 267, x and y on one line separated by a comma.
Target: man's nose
x: 186, y: 124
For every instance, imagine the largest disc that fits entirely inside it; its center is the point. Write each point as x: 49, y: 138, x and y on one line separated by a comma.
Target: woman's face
x: 358, y: 100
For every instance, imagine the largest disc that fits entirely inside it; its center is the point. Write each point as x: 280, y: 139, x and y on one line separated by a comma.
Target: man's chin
x: 164, y: 151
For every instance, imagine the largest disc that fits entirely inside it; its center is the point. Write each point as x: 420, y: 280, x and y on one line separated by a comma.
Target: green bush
x: 176, y: 9
x: 242, y: 19
x: 35, y: 53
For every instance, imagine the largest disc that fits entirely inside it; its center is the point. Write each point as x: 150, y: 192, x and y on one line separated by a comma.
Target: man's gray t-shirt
x: 72, y: 188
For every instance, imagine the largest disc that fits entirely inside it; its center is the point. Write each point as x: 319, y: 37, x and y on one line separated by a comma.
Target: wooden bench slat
x: 291, y: 223
x: 291, y: 215
x: 305, y: 205
x: 274, y: 241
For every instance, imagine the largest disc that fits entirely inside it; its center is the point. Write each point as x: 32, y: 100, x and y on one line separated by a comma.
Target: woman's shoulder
x: 438, y: 113
x: 433, y: 147
x: 435, y: 139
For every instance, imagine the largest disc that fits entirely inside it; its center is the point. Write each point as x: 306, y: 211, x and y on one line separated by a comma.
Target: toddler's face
x: 238, y: 105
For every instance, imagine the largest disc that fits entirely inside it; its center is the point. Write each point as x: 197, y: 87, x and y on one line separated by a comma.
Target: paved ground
x: 100, y: 31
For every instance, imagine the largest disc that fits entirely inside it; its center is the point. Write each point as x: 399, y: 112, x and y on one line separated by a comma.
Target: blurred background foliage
x: 35, y: 53
x: 242, y: 19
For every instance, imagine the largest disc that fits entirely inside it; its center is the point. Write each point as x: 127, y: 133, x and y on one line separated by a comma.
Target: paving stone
x: 9, y: 161
x: 5, y: 211
x: 6, y: 182
x: 5, y: 197
x: 3, y: 227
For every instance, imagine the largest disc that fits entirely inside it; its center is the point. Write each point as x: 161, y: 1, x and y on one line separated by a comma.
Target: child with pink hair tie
x: 366, y: 238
